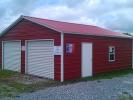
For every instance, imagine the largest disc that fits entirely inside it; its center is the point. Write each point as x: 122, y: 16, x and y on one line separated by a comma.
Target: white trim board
x: 62, y: 58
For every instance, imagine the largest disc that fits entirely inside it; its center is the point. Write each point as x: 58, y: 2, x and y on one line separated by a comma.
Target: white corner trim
x: 62, y: 57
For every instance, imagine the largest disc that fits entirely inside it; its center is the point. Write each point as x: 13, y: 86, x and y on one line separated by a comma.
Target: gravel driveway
x: 106, y: 89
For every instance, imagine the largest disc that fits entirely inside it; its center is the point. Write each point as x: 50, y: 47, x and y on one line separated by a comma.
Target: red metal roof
x: 76, y: 28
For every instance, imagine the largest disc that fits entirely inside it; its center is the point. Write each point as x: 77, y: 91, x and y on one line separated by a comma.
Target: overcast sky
x: 113, y: 14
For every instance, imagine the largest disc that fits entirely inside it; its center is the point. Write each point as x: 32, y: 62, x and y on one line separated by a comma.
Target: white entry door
x: 40, y: 58
x: 12, y: 55
x: 86, y: 59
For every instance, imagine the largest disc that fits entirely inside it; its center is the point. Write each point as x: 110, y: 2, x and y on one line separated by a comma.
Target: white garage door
x: 12, y: 55
x: 40, y: 58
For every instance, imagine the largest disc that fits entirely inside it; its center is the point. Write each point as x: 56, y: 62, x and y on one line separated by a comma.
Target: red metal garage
x: 61, y: 50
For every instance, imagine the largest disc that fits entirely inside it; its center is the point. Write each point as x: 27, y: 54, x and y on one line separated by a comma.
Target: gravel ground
x: 106, y: 89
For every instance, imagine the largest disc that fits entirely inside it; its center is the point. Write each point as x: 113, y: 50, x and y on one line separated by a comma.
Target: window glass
x: 111, y: 53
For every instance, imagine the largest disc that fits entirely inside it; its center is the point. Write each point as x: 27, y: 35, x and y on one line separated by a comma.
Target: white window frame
x: 111, y: 53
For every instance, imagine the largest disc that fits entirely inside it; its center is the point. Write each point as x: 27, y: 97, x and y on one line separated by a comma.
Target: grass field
x: 12, y: 88
x: 106, y: 75
x: 125, y: 96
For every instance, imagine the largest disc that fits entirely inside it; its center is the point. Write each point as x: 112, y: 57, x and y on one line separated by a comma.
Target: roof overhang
x: 53, y: 28
x: 12, y: 25
x: 20, y: 19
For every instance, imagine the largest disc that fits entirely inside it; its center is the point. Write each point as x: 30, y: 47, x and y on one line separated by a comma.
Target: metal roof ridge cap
x: 48, y: 26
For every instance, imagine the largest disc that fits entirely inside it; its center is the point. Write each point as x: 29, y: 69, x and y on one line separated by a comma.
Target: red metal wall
x: 72, y: 62
x: 26, y: 30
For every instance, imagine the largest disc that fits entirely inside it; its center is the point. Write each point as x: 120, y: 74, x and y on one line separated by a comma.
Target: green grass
x: 12, y: 88
x: 6, y: 73
x: 22, y: 87
x: 6, y: 90
x: 106, y: 75
x: 110, y: 75
x: 125, y: 96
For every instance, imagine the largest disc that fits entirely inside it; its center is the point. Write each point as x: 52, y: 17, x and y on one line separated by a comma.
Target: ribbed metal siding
x: 40, y: 58
x: 12, y: 55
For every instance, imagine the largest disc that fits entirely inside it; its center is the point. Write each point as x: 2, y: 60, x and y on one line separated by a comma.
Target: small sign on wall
x: 69, y: 48
x: 23, y: 48
x: 57, y: 50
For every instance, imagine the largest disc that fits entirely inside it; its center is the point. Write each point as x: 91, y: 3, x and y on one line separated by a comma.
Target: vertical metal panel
x: 72, y: 62
x: 40, y: 58
x: 11, y: 55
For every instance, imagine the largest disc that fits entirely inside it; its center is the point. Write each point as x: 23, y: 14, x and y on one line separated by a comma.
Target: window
x: 111, y: 53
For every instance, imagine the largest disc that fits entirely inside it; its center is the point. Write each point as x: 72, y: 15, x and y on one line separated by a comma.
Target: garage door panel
x: 42, y: 73
x: 12, y: 55
x: 37, y: 51
x: 35, y: 72
x: 14, y: 67
x: 37, y: 43
x: 36, y: 59
x: 13, y: 61
x: 39, y: 47
x: 49, y: 65
x: 43, y: 51
x: 11, y: 50
x: 40, y: 64
x: 40, y: 58
x: 37, y: 67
